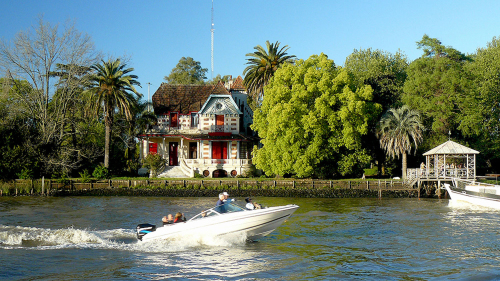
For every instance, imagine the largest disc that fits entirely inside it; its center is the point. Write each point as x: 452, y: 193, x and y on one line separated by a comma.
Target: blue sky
x: 156, y: 34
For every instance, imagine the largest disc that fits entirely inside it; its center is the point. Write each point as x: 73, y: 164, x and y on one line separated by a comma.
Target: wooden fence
x: 45, y: 187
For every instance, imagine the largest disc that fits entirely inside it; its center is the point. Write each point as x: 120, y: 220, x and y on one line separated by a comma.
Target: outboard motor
x: 143, y: 229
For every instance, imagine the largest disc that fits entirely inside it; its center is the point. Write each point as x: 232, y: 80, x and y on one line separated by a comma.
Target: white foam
x: 121, y: 239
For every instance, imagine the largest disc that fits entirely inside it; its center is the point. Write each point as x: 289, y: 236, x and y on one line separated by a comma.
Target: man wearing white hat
x: 226, y: 197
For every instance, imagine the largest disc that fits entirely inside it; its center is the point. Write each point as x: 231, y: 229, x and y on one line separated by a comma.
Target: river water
x: 93, y: 238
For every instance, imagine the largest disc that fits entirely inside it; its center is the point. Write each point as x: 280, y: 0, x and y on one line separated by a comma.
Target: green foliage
x: 25, y: 174
x: 101, y: 172
x: 198, y: 175
x: 312, y: 119
x: 85, y: 176
x: 187, y: 72
x: 438, y: 86
x: 155, y: 163
x: 63, y: 179
x: 218, y: 78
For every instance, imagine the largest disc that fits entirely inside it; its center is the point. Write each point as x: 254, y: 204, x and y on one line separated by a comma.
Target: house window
x: 193, y: 150
x: 173, y: 120
x: 219, y: 120
x: 243, y: 150
x: 194, y: 119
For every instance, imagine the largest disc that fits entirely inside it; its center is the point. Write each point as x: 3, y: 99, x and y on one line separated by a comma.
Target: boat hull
x: 254, y: 224
x: 482, y: 196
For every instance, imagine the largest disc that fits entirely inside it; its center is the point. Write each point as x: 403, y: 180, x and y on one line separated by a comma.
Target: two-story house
x: 201, y: 129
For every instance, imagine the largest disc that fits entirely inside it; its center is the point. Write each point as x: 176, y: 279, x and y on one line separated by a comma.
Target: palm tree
x: 261, y: 67
x: 112, y: 88
x: 398, y: 128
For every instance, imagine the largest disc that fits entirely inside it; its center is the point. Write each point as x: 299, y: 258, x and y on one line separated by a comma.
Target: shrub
x: 85, y: 176
x: 155, y: 163
x: 64, y: 179
x: 25, y: 174
x: 101, y: 172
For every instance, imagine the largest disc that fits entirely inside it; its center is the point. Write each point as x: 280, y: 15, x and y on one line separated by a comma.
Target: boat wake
x: 14, y: 237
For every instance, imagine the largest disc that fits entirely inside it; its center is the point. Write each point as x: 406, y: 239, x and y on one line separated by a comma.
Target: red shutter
x: 153, y: 148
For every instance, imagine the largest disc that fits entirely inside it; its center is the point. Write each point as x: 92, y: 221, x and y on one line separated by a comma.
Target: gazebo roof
x: 450, y: 147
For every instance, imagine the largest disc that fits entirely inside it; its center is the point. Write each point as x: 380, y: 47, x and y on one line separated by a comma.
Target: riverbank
x: 212, y: 187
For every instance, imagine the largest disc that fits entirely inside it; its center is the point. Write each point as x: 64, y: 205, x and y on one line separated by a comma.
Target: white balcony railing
x: 214, y: 162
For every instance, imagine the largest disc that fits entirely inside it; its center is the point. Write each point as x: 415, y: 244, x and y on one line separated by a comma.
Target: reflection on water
x: 354, y: 239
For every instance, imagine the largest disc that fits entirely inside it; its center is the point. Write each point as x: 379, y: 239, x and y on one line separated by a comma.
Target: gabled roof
x: 184, y: 98
x: 227, y: 105
x: 450, y: 147
x: 237, y: 84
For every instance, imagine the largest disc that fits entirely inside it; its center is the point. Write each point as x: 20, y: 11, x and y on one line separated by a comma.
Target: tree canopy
x: 386, y: 74
x: 438, y: 86
x: 187, y: 71
x: 312, y: 119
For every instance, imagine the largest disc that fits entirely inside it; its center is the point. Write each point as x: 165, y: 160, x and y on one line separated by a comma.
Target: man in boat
x: 220, y: 202
x: 226, y: 197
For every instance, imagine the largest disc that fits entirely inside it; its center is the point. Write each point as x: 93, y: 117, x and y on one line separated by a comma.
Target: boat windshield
x: 226, y: 208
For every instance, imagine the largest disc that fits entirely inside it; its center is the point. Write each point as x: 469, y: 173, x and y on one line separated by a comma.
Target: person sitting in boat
x: 179, y: 217
x: 249, y: 204
x: 220, y: 202
x: 168, y: 219
x: 252, y: 205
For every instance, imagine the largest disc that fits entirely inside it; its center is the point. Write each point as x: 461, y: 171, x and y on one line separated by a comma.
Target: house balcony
x: 217, y: 162
x: 164, y: 129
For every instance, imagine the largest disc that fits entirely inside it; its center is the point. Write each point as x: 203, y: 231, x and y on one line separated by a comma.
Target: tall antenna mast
x: 212, y: 33
x: 149, y: 109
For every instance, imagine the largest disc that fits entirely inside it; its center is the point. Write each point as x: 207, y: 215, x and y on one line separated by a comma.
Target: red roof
x: 184, y: 98
x: 238, y: 84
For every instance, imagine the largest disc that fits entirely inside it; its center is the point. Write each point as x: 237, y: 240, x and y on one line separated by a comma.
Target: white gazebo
x: 446, y: 161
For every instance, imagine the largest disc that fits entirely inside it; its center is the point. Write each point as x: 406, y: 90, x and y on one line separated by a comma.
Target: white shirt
x: 250, y: 206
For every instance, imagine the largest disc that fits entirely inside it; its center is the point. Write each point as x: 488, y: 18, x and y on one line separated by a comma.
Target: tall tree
x: 187, y: 71
x: 261, y: 67
x: 481, y: 119
x: 398, y: 129
x: 386, y: 74
x: 438, y: 86
x: 112, y: 88
x: 312, y: 120
x: 32, y: 56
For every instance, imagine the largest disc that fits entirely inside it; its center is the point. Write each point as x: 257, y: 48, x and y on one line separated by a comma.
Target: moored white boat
x: 227, y: 219
x: 482, y: 194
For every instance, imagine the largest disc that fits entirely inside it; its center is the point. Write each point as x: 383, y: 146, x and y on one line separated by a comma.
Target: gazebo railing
x: 437, y: 173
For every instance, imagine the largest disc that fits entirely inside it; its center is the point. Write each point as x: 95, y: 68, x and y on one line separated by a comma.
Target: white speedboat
x: 487, y: 195
x: 226, y: 219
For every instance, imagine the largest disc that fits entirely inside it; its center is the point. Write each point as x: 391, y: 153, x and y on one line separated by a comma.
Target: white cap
x: 225, y: 193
